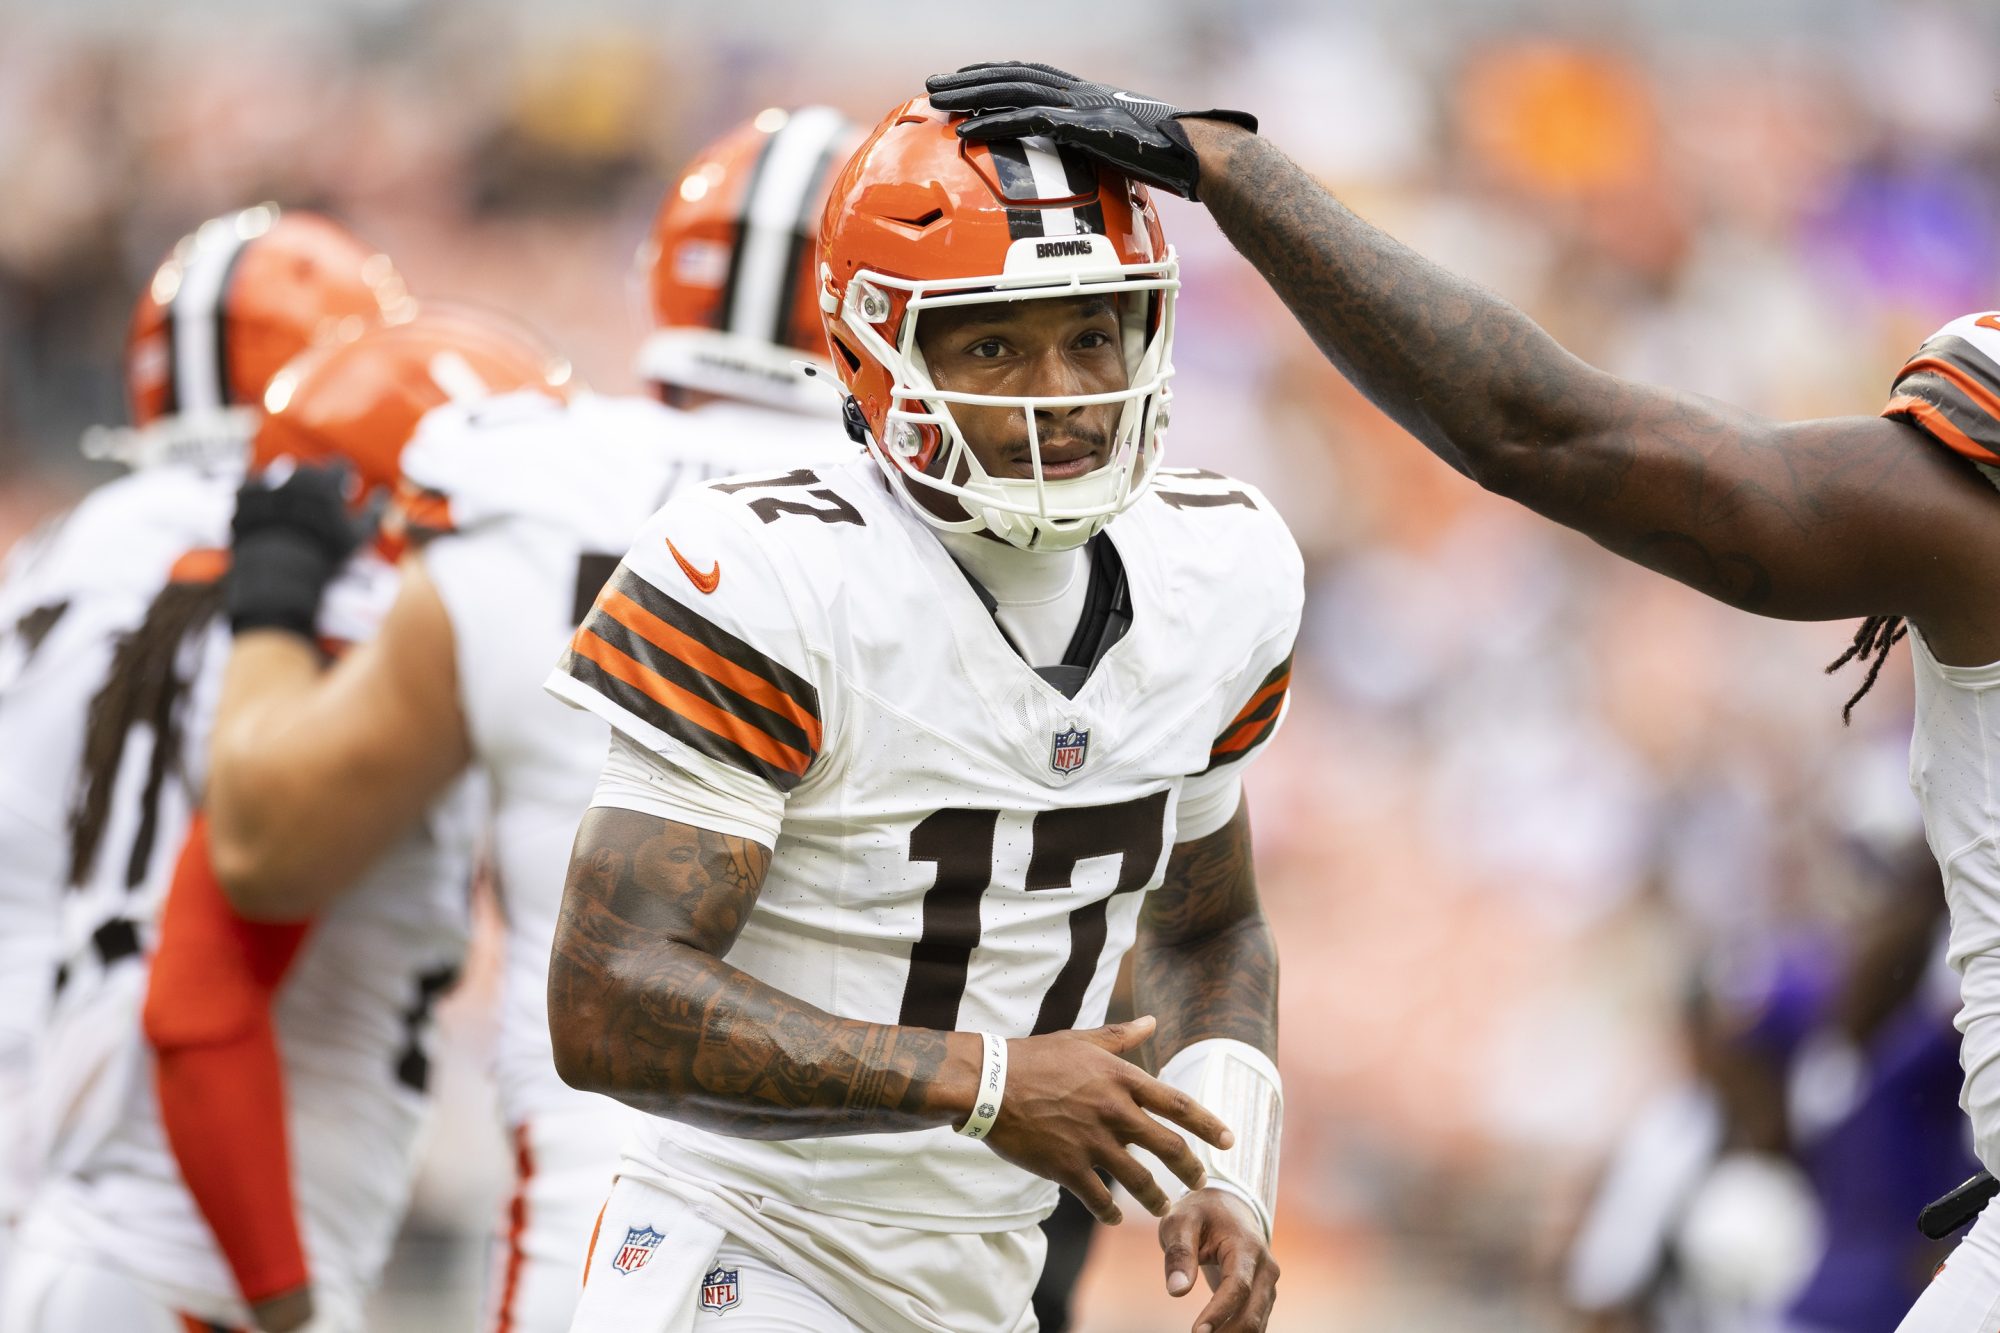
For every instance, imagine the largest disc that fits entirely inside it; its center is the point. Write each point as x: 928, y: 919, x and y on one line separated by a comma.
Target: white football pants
x: 680, y: 1273
x: 674, y: 1257
x: 51, y: 1292
x: 563, y: 1167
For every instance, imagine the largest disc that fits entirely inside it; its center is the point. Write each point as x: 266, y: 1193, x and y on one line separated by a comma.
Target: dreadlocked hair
x: 144, y: 686
x: 1872, y: 642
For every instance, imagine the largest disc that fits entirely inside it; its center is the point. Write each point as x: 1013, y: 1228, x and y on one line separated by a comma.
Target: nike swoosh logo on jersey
x: 1137, y: 101
x: 703, y: 582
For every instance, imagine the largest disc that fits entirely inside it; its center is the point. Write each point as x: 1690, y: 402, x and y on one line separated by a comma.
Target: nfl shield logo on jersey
x: 638, y: 1247
x: 719, y: 1290
x: 1066, y: 756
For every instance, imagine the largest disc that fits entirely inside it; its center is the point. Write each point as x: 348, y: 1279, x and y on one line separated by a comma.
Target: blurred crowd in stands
x: 1547, y: 838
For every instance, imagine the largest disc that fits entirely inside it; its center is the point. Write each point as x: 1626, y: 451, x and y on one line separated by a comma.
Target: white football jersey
x: 962, y: 846
x: 69, y: 592
x: 1946, y: 391
x: 352, y: 1018
x: 528, y: 504
x: 77, y: 585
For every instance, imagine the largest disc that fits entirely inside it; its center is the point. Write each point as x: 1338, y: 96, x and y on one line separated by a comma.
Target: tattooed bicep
x: 636, y: 880
x: 1209, y: 884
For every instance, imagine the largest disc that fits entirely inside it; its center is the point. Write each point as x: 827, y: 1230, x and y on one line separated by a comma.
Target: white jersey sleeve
x: 695, y: 652
x: 719, y: 798
x: 1258, y: 694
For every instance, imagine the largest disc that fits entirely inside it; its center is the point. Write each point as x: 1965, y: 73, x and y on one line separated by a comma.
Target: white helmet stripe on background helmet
x: 778, y: 222
x: 197, y: 313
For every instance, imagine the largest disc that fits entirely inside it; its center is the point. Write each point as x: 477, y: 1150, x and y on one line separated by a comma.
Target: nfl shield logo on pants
x: 1066, y: 756
x: 636, y: 1249
x: 720, y: 1290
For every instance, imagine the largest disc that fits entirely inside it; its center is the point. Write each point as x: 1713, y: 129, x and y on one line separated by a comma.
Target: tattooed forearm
x: 1205, y: 963
x: 1782, y: 519
x: 642, y: 1007
x: 1456, y: 366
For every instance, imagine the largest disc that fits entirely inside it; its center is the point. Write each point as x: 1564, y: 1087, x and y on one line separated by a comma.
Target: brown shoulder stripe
x: 1963, y: 354
x: 797, y: 692
x: 1255, y: 720
x: 1952, y: 391
x: 719, y: 683
x: 664, y: 707
x: 1938, y: 422
x: 691, y: 679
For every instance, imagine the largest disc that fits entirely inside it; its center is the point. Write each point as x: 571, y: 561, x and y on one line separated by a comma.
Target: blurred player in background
x: 1890, y: 517
x: 909, y: 753
x: 234, y: 301
x: 1774, y: 1186
x: 190, y: 1163
x: 519, y: 507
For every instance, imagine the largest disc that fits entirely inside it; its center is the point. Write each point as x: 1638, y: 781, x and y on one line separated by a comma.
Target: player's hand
x: 1072, y: 1106
x: 291, y: 534
x: 1218, y: 1231
x: 1139, y: 136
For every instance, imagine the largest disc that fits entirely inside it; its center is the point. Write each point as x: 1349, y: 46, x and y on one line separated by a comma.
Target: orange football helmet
x: 360, y: 401
x: 236, y: 299
x: 920, y: 219
x: 731, y: 270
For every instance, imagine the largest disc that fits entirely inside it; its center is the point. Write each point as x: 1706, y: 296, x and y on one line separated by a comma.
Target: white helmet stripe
x: 1051, y: 182
x: 789, y: 169
x: 197, y: 310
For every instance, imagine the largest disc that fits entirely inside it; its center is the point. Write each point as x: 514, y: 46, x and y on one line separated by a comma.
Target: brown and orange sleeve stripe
x: 1951, y: 391
x: 686, y: 676
x: 1255, y: 721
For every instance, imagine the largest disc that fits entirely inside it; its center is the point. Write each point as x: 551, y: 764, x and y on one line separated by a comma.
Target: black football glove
x: 1139, y: 136
x: 290, y: 536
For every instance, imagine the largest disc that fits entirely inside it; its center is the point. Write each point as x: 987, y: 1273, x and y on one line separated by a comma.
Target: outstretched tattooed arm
x: 1205, y: 964
x: 642, y: 1007
x: 1808, y: 520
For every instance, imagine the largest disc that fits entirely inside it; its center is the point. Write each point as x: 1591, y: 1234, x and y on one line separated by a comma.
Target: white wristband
x: 992, y: 1087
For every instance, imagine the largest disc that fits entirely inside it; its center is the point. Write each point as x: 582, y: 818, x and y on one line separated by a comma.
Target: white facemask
x: 1032, y: 512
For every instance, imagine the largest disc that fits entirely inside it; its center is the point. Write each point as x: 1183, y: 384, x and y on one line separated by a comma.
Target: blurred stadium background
x: 1531, y: 798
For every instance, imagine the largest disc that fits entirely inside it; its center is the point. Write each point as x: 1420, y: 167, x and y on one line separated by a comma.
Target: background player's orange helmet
x: 920, y: 219
x: 236, y: 299
x: 360, y: 401
x: 731, y: 266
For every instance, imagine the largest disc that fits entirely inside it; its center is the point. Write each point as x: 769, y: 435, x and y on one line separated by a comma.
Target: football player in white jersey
x: 230, y: 304
x: 910, y: 752
x: 523, y: 506
x: 1890, y: 517
x: 164, y: 1185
